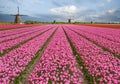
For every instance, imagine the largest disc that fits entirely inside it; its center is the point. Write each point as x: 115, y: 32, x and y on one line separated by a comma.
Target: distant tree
x: 32, y: 22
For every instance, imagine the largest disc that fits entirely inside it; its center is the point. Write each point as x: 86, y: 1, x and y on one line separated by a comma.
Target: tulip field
x: 59, y: 54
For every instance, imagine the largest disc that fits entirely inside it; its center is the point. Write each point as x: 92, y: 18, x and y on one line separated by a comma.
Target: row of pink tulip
x: 14, y: 62
x: 11, y: 25
x: 21, y: 34
x: 6, y: 45
x: 57, y: 65
x: 108, y: 31
x: 113, y: 46
x: 6, y: 26
x: 102, y: 65
x: 110, y: 34
x: 19, y: 30
x: 6, y: 33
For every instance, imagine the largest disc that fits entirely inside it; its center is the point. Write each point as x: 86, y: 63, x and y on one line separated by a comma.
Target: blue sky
x: 61, y: 10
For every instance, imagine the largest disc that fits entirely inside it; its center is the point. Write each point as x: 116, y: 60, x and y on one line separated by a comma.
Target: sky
x: 61, y: 10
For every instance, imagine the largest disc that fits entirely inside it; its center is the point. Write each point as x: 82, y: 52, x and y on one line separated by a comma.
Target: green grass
x: 5, y: 23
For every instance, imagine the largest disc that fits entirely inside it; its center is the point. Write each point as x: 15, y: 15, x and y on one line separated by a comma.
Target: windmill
x: 54, y: 21
x: 18, y: 18
x: 70, y: 20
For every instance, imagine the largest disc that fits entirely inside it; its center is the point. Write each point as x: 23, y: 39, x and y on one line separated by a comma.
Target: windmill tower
x: 69, y: 20
x: 18, y: 18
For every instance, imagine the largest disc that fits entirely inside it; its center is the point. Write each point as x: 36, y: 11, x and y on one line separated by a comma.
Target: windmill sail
x: 18, y: 9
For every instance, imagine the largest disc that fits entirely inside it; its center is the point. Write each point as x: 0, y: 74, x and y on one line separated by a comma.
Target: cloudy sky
x: 61, y: 10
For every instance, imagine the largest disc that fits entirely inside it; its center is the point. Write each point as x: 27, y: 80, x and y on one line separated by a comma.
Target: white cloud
x: 70, y: 11
x: 109, y: 0
x: 65, y: 10
x: 105, y: 13
x: 112, y: 11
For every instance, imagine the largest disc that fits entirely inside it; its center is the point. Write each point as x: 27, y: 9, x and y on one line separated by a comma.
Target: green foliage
x: 32, y: 22
x: 50, y: 81
x: 6, y: 22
